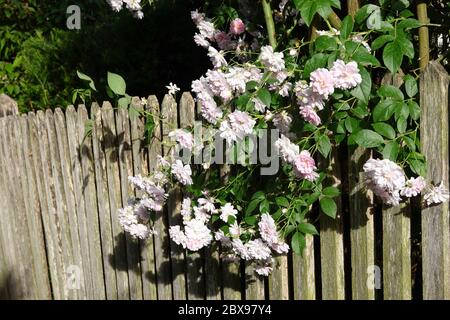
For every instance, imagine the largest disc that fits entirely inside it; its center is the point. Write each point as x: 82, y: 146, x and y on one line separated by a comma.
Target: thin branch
x: 424, y: 41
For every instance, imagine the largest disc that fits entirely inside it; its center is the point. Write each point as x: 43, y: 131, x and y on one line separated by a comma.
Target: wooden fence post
x: 8, y: 107
x: 434, y: 137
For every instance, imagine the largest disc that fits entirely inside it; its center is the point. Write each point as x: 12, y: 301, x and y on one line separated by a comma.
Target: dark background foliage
x: 39, y: 56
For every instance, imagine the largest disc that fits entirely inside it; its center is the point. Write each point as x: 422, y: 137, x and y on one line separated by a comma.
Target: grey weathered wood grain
x: 195, y: 260
x: 45, y: 191
x: 111, y: 148
x: 140, y: 166
x: 304, y: 280
x: 396, y: 238
x: 12, y: 276
x: 361, y: 226
x: 126, y: 170
x: 162, y: 256
x: 332, y: 242
x: 434, y: 137
x: 61, y: 218
x: 101, y: 180
x: 33, y: 216
x: 84, y: 151
x: 73, y: 165
x: 278, y: 279
x: 254, y: 283
x: 169, y: 115
x: 83, y: 283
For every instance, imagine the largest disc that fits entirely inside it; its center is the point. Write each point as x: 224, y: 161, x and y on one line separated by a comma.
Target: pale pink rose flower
x: 437, y: 195
x: 237, y: 26
x: 413, y: 187
x: 346, y: 76
x: 223, y: 40
x: 304, y: 166
x: 310, y: 115
x: 322, y: 82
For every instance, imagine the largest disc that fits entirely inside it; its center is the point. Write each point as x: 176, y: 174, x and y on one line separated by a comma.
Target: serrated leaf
x: 414, y: 110
x: 381, y: 41
x: 389, y: 91
x: 392, y: 56
x: 265, y: 96
x: 282, y: 202
x: 362, y: 91
x: 390, y: 151
x: 324, y: 145
x: 298, y: 242
x: 252, y: 206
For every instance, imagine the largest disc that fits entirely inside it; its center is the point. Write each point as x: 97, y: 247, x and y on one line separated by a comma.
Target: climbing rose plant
x: 320, y: 90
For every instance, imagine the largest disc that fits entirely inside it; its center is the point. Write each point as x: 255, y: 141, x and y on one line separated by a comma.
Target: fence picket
x: 33, y: 217
x: 140, y: 166
x: 126, y: 170
x: 101, y: 180
x: 434, y: 137
x: 169, y: 115
x: 111, y: 148
x: 303, y: 272
x: 332, y: 244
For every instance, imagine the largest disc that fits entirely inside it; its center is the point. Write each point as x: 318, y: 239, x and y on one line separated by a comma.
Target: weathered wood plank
x: 111, y: 148
x: 73, y: 164
x: 332, y: 242
x: 279, y: 279
x: 434, y: 137
x: 33, y: 217
x: 140, y: 166
x: 361, y: 226
x: 19, y: 218
x: 161, y: 240
x: 12, y: 275
x: 61, y: 216
x: 195, y: 260
x: 303, y: 272
x: 254, y: 283
x: 396, y: 238
x: 126, y: 170
x: 82, y: 149
x: 45, y: 191
x: 169, y: 115
x: 101, y: 180
x: 81, y: 281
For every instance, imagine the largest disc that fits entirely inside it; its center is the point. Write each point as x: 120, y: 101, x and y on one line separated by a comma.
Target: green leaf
x: 409, y: 24
x: 331, y: 192
x: 251, y: 220
x: 381, y: 41
x: 298, y: 242
x: 282, y: 202
x: 364, y: 12
x: 124, y: 102
x: 368, y: 138
x: 259, y: 195
x: 406, y: 46
x: 352, y: 124
x: 384, y: 129
x: 307, y: 228
x: 362, y: 91
x: 325, y: 43
x: 82, y: 76
x: 414, y: 109
x: 390, y: 150
x: 384, y: 110
x: 264, y: 206
x: 389, y: 91
x: 346, y: 27
x: 265, y: 96
x: 317, y: 61
x: 328, y: 206
x: 116, y: 83
x: 252, y: 206
x: 410, y: 86
x: 324, y: 145
x: 392, y: 56
x: 307, y: 11
x: 402, y: 124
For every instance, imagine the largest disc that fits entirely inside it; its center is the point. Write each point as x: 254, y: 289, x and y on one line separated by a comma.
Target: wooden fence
x: 60, y: 238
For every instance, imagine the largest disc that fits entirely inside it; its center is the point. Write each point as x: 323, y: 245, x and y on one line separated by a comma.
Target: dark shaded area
x: 39, y: 55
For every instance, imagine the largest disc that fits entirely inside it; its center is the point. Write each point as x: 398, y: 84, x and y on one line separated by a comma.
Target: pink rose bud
x: 237, y: 26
